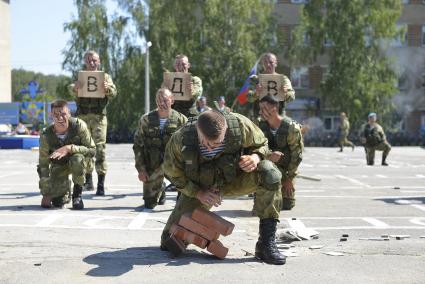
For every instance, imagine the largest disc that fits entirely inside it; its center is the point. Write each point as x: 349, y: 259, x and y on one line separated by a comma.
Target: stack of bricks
x: 202, y: 229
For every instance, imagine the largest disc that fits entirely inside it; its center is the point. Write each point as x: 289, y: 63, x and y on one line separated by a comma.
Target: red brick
x: 199, y: 229
x: 217, y: 249
x: 213, y: 221
x: 188, y: 236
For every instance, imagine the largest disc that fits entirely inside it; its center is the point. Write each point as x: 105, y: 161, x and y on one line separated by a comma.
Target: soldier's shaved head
x: 212, y: 124
x: 164, y: 99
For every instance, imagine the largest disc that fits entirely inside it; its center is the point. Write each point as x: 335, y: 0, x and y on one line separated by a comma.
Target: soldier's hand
x: 285, y: 88
x: 288, y: 187
x: 77, y: 86
x: 265, y: 112
x: 275, y: 156
x: 248, y: 163
x: 61, y: 152
x: 105, y: 86
x: 190, y: 87
x: 143, y: 176
x: 209, y: 197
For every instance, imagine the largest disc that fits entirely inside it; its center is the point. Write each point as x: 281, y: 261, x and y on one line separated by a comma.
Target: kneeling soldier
x: 65, y: 148
x: 153, y: 133
x: 218, y: 155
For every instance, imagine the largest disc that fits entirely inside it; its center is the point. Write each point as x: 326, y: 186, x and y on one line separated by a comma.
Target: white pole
x: 147, y: 95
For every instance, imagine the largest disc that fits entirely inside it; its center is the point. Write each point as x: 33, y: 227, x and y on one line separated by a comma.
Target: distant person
x: 373, y: 138
x: 202, y: 105
x: 21, y: 129
x: 344, y: 130
x: 5, y: 128
x: 65, y: 148
x: 221, y: 105
x: 188, y: 108
x: 152, y: 134
x: 93, y: 112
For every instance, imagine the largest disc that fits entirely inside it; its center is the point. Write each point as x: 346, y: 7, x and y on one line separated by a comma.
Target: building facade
x: 408, y: 55
x: 5, y: 66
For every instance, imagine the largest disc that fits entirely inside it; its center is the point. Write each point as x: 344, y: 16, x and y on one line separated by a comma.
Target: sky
x: 37, y: 35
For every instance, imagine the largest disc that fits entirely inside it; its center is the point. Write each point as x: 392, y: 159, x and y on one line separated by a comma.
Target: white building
x: 5, y: 66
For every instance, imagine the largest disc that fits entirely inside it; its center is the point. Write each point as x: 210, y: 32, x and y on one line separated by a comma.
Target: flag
x: 243, y: 93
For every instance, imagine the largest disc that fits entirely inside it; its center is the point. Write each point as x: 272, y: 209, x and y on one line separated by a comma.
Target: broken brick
x: 197, y: 228
x: 213, y: 221
x: 216, y: 248
x: 188, y: 236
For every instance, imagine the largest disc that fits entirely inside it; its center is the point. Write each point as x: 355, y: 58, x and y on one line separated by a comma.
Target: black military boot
x: 266, y: 248
x: 341, y: 148
x: 100, y: 185
x: 162, y: 199
x: 384, y: 157
x: 88, y: 185
x: 77, y: 201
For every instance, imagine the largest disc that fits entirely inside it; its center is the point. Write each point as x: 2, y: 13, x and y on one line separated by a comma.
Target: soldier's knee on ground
x: 100, y: 151
x: 77, y: 162
x: 269, y: 175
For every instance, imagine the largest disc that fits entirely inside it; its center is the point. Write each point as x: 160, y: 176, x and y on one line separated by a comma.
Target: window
x: 299, y: 78
x: 331, y: 122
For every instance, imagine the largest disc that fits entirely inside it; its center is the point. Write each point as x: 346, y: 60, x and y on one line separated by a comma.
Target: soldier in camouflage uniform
x: 286, y: 145
x: 65, y: 148
x: 216, y: 155
x: 373, y: 137
x: 93, y: 112
x: 153, y: 133
x: 269, y: 63
x: 188, y: 108
x: 344, y: 130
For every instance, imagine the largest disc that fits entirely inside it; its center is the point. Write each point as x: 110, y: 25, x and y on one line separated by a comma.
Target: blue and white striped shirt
x: 210, y: 154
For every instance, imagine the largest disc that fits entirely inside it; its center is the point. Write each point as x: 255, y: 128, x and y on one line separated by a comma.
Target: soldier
x: 65, y: 148
x: 153, y: 133
x: 188, y: 108
x: 220, y: 105
x: 269, y: 63
x: 202, y: 105
x: 373, y: 137
x: 286, y: 145
x: 93, y: 112
x: 344, y: 130
x: 216, y: 155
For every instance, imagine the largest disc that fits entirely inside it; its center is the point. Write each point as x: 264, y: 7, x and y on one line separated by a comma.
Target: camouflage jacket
x: 344, y: 127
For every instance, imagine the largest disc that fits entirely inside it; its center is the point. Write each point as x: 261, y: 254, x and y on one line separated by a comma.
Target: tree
x: 353, y: 34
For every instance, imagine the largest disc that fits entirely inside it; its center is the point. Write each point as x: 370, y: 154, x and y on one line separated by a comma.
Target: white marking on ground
x: 94, y: 222
x: 138, y: 221
x: 417, y: 206
x: 309, y: 190
x: 352, y: 180
x: 381, y: 176
x: 10, y: 174
x: 376, y: 222
x: 417, y: 221
x: 47, y: 221
x: 420, y: 176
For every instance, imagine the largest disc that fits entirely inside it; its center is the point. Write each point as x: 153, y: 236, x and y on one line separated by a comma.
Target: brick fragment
x: 188, y: 223
x: 217, y: 249
x: 213, y: 221
x: 188, y: 236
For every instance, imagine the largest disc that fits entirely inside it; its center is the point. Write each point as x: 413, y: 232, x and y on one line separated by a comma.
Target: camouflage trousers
x: 288, y: 202
x: 370, y: 151
x: 153, y: 188
x: 267, y: 205
x: 97, y: 125
x: 343, y: 141
x: 58, y: 185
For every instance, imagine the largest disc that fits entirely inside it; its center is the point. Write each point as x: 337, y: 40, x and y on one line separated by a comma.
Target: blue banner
x: 9, y: 113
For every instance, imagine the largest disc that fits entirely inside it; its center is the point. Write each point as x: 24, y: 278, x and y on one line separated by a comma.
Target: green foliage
x: 357, y: 32
x: 52, y: 84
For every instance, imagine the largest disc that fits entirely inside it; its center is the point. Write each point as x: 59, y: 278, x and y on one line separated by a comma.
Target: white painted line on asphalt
x: 94, y: 222
x: 368, y: 228
x: 376, y: 222
x: 353, y: 180
x: 138, y: 221
x: 418, y: 221
x: 381, y: 176
x: 420, y: 176
x: 309, y: 190
x: 10, y: 174
x: 47, y: 221
x: 417, y: 206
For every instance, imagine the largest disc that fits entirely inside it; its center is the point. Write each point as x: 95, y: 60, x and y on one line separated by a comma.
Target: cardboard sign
x: 178, y: 83
x: 272, y: 85
x: 92, y: 84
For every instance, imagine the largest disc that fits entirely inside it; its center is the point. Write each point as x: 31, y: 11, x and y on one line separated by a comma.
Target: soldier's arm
x: 382, y: 133
x: 112, y: 89
x: 196, y: 87
x: 87, y: 147
x: 296, y: 145
x: 173, y: 166
x: 43, y: 163
x: 139, y: 146
x: 252, y: 137
x: 290, y: 93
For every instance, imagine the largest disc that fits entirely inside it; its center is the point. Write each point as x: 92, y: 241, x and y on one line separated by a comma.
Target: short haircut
x: 91, y: 52
x: 269, y: 99
x: 267, y: 55
x: 212, y: 124
x: 181, y: 56
x: 58, y: 104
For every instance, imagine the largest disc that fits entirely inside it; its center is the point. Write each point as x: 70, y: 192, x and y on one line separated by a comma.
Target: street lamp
x: 147, y: 100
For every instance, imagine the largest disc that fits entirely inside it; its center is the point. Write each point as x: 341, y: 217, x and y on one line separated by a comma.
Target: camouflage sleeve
x: 112, y: 89
x: 382, y: 133
x: 182, y: 120
x: 87, y: 147
x: 43, y: 163
x: 296, y: 146
x: 196, y: 87
x: 290, y: 94
x: 173, y: 166
x: 252, y: 137
x: 139, y: 145
x: 252, y: 96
